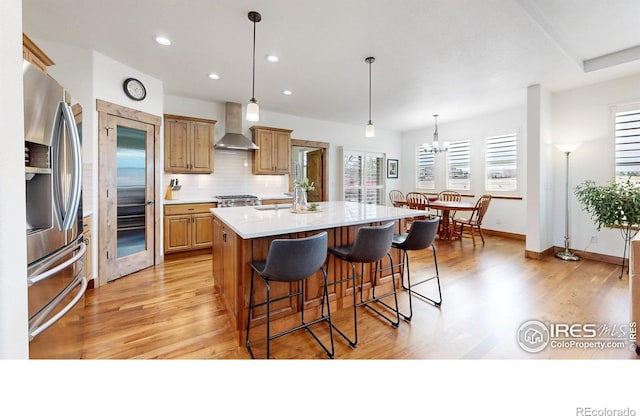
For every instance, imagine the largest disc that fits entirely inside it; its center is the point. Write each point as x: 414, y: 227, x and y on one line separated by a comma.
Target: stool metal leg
x: 378, y: 299
x: 409, y: 287
x: 247, y: 342
x: 352, y: 343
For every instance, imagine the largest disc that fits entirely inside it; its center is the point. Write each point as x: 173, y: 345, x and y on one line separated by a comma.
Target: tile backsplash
x: 231, y: 175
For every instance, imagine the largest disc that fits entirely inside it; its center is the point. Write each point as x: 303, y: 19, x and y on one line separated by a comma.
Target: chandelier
x: 434, y: 147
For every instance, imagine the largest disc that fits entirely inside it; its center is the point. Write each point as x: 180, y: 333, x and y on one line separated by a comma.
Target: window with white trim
x: 363, y: 177
x: 459, y: 165
x: 501, y: 163
x: 425, y: 164
x: 628, y: 146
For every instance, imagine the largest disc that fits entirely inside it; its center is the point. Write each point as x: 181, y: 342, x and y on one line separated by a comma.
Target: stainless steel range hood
x: 233, y: 137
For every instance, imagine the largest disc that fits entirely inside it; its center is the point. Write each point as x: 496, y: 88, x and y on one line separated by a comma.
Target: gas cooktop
x: 236, y: 197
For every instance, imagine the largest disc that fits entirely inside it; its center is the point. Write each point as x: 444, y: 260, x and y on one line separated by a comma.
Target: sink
x: 272, y: 207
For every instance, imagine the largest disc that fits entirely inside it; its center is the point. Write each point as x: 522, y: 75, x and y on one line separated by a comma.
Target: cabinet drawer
x: 180, y: 209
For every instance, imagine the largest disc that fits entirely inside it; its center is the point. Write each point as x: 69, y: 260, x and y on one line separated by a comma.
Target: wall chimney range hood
x: 233, y: 137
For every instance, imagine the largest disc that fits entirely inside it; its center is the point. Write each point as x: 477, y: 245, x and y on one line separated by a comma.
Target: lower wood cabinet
x: 187, y: 227
x: 225, y: 267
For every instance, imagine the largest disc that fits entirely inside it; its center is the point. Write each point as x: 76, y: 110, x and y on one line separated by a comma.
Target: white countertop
x: 208, y: 200
x: 190, y: 201
x: 249, y: 222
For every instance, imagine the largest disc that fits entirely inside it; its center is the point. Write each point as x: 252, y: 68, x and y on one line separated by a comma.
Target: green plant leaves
x: 614, y: 204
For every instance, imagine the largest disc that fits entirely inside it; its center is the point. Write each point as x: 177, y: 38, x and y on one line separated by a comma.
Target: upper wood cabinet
x: 274, y: 155
x: 34, y: 55
x: 188, y: 144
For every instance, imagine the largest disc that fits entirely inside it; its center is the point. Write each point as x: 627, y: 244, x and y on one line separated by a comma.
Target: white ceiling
x: 457, y: 58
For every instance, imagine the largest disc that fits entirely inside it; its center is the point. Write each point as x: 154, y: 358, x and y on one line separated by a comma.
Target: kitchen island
x: 243, y: 234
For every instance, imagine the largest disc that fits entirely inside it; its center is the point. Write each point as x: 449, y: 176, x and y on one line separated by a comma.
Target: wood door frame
x: 106, y: 109
x: 324, y: 146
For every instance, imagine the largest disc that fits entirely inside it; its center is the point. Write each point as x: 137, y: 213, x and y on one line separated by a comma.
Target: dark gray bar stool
x: 292, y: 260
x: 421, y: 235
x: 371, y: 244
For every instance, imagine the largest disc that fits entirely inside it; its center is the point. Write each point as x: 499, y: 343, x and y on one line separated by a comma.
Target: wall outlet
x: 498, y: 221
x: 594, y: 239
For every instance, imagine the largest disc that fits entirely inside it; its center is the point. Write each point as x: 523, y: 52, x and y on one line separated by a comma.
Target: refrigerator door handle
x: 40, y: 328
x: 66, y: 215
x: 40, y: 277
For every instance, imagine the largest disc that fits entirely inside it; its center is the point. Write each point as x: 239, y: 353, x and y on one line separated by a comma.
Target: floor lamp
x: 566, y: 254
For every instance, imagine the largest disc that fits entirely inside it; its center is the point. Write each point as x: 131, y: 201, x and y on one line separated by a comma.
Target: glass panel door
x: 127, y: 190
x: 131, y: 185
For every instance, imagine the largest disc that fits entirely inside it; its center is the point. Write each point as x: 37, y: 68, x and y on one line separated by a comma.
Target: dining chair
x: 371, y: 245
x: 467, y: 226
x: 291, y: 261
x: 448, y: 195
x: 419, y: 201
x: 421, y: 236
x: 397, y: 198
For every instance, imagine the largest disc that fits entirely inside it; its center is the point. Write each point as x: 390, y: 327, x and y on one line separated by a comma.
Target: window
x: 363, y: 177
x: 459, y: 165
x: 628, y: 146
x: 424, y: 169
x: 501, y: 163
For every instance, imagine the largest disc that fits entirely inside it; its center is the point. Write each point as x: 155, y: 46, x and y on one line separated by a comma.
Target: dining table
x: 445, y: 231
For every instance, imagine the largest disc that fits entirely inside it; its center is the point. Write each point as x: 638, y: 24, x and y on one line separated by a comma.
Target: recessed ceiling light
x: 163, y: 41
x: 214, y: 76
x: 272, y: 58
x: 287, y: 92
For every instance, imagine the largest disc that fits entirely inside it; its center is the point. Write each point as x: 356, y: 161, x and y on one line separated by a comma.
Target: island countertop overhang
x: 256, y: 222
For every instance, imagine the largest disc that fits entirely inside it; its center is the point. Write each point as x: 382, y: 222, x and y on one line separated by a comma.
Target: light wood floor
x: 172, y: 312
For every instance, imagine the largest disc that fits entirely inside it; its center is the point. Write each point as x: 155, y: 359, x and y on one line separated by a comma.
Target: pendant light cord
x: 369, y: 92
x: 253, y: 87
x: 435, y: 133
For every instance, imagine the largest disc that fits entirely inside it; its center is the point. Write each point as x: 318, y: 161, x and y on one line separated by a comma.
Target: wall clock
x: 134, y: 89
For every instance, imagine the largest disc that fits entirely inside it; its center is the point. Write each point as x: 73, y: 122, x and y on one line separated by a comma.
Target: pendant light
x: 253, y: 111
x: 370, y: 130
x: 435, y: 146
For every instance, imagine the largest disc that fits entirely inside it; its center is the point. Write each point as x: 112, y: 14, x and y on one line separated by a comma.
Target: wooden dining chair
x: 447, y: 195
x: 467, y: 226
x: 416, y: 200
x: 397, y: 198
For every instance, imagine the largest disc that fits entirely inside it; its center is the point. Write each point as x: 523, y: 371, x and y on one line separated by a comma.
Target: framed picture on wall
x: 392, y: 168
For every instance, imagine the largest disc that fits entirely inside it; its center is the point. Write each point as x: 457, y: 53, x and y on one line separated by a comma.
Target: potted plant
x: 614, y: 205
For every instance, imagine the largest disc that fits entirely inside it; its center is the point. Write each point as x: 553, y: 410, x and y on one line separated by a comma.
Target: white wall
x: 14, y: 342
x: 587, y: 115
x: 503, y: 215
x: 232, y: 168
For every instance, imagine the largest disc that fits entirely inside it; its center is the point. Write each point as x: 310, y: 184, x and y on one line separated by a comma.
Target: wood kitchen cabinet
x: 34, y: 55
x: 188, y: 144
x: 187, y: 227
x: 274, y: 155
x: 224, y: 258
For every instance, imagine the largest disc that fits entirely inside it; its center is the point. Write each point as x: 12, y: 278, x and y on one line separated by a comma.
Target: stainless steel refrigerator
x: 55, y: 248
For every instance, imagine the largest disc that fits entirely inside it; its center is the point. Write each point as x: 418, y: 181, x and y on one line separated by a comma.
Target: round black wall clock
x: 134, y: 89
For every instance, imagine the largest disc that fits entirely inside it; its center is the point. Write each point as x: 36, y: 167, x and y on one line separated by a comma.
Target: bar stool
x: 421, y: 235
x: 371, y: 244
x: 292, y: 260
